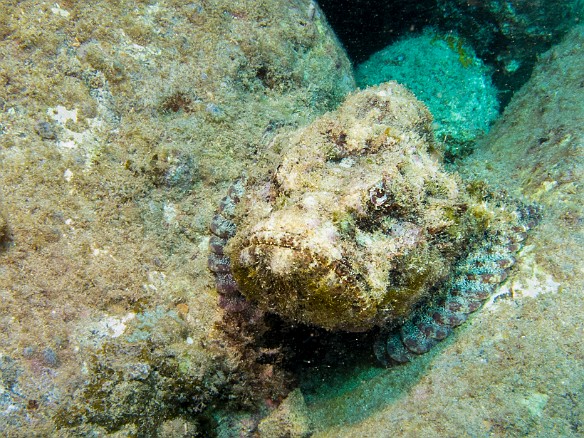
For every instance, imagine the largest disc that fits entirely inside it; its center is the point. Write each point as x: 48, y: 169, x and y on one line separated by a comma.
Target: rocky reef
x: 443, y: 71
x: 515, y: 368
x: 121, y: 125
x: 508, y: 35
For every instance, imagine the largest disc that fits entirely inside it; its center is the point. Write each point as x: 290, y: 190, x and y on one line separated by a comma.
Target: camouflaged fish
x: 360, y: 226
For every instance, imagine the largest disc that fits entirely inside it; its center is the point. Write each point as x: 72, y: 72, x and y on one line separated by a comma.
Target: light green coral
x: 444, y: 73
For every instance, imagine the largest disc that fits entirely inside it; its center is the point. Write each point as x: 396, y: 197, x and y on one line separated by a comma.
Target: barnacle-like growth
x: 358, y: 224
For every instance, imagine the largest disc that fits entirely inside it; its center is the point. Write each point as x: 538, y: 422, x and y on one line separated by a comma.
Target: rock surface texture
x: 121, y: 124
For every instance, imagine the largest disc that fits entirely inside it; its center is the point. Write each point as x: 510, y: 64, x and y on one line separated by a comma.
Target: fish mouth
x: 281, y: 251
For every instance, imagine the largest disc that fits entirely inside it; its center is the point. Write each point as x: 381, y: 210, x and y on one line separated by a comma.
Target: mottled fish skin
x: 360, y: 227
x: 474, y: 280
x: 355, y: 221
x: 223, y: 228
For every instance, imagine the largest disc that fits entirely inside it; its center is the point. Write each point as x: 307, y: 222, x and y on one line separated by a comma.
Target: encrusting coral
x: 359, y: 226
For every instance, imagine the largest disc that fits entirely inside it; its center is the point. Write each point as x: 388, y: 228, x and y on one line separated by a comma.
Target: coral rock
x: 290, y: 419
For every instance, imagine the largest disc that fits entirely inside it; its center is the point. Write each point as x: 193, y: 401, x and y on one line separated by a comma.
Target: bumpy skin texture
x: 223, y: 228
x: 357, y: 224
x: 361, y: 227
x: 472, y: 282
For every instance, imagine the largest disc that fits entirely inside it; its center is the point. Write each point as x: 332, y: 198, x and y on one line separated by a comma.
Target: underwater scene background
x: 290, y: 218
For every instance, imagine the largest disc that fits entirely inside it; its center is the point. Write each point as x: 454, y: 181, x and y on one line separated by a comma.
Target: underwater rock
x: 482, y: 383
x: 290, y: 419
x: 509, y: 34
x: 3, y: 227
x: 157, y: 104
x: 444, y: 73
x: 355, y: 228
